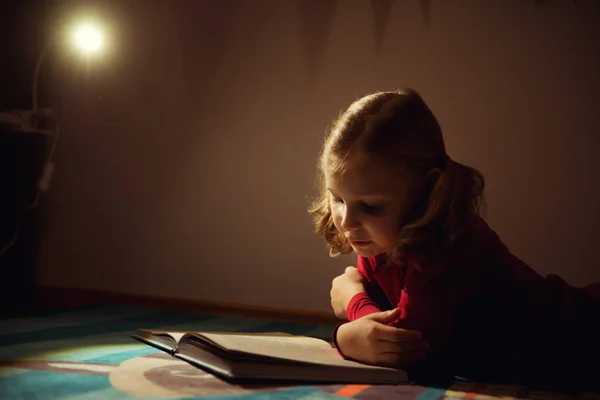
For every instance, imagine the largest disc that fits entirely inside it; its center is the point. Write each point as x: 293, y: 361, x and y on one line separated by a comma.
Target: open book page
x: 171, y: 338
x: 165, y: 341
x: 291, y: 348
x: 266, y: 344
x: 158, y: 334
x: 176, y: 335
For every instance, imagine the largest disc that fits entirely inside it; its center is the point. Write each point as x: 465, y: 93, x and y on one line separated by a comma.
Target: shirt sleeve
x: 374, y: 300
x: 361, y: 305
x: 335, y: 342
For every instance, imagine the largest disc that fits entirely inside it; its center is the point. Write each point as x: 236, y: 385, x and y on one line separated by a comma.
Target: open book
x: 267, y: 357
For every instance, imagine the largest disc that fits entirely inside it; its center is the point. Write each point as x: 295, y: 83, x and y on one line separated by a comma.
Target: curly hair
x: 399, y: 128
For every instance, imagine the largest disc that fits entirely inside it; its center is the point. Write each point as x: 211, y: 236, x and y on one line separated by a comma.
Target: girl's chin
x: 366, y: 251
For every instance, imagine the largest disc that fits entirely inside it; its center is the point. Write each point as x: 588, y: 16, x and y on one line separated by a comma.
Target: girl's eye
x: 371, y: 208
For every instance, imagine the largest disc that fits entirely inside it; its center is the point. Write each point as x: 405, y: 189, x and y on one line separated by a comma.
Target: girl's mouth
x: 359, y: 243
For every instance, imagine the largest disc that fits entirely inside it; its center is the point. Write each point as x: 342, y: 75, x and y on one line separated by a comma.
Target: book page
x: 289, y: 348
x: 176, y: 335
x: 165, y: 341
x: 270, y: 345
x: 294, y: 348
x: 154, y: 332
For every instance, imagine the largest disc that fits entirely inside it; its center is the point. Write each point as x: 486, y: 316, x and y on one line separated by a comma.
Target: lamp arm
x: 36, y: 75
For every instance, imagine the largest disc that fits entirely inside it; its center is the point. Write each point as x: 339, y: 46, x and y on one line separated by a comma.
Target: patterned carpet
x: 89, y: 354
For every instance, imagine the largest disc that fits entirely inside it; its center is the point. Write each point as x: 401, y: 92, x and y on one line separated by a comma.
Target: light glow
x: 88, y: 38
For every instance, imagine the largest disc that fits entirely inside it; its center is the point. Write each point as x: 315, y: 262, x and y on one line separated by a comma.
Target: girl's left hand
x: 343, y: 288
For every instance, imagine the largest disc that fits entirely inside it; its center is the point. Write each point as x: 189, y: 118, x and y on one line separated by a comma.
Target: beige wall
x: 189, y: 177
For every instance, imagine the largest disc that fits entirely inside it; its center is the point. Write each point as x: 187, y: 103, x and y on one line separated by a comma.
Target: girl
x: 435, y: 290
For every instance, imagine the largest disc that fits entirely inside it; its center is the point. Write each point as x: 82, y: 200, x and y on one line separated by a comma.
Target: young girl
x: 435, y: 291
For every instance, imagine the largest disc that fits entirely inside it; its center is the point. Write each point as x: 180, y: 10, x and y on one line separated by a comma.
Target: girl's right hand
x: 371, y: 341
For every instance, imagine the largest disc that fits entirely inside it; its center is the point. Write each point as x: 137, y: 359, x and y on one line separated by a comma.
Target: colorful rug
x: 88, y: 354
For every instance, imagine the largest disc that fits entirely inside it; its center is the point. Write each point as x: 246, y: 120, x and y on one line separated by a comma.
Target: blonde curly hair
x: 399, y: 128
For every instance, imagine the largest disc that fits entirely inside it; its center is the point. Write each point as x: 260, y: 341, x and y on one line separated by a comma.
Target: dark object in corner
x: 23, y: 155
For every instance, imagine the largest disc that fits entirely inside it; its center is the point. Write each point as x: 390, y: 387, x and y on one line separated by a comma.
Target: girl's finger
x: 391, y: 334
x: 403, y: 347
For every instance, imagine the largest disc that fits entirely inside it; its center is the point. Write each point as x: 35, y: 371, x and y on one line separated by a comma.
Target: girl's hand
x: 343, y: 288
x: 369, y: 340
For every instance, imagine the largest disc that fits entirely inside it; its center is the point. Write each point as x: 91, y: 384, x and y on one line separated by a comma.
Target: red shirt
x: 486, y: 314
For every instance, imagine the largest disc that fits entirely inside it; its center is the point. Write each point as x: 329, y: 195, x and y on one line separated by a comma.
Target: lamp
x: 87, y: 38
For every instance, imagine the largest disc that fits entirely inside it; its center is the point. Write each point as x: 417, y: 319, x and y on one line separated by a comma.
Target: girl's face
x: 368, y: 203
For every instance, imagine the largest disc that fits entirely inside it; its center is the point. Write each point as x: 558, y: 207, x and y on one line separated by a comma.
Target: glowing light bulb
x: 88, y: 38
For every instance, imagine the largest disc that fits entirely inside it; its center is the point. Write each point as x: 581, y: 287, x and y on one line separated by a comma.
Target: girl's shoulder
x: 482, y: 251
x: 478, y: 238
x: 478, y: 245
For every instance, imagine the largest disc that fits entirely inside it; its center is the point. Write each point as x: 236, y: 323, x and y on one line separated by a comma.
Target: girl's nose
x: 349, y: 221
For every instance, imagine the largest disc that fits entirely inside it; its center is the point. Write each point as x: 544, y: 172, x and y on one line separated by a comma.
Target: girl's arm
x: 370, y: 302
x: 373, y: 300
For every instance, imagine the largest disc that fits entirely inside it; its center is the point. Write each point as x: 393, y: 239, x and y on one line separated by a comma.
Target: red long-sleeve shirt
x: 485, y: 313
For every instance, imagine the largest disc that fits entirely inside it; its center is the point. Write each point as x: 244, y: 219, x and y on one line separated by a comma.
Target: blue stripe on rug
x: 119, y: 357
x: 119, y: 342
x: 295, y: 393
x: 80, y: 354
x: 48, y: 386
x: 95, y: 328
x: 65, y: 348
x: 431, y: 393
x: 113, y: 394
x: 69, y: 318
